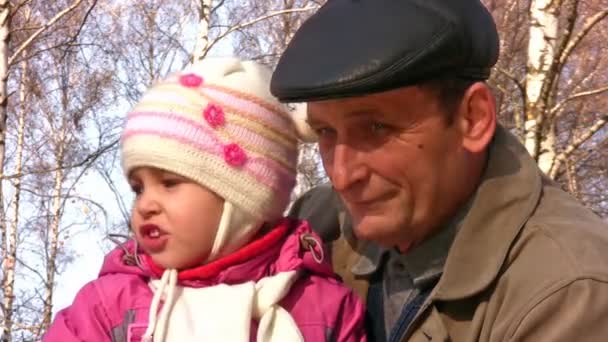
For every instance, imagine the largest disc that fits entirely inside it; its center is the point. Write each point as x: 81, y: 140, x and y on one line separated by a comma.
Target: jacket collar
x: 288, y: 246
x: 259, y: 248
x: 506, y: 197
x: 424, y: 263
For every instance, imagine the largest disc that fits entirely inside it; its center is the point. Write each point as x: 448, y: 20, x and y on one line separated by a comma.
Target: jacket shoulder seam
x: 110, y: 314
x: 547, y: 292
x: 572, y: 263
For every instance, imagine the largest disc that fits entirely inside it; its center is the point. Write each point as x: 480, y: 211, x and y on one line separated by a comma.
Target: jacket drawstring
x: 169, y: 278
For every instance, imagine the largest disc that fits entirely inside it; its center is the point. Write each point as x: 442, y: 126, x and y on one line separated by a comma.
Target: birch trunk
x: 202, y: 41
x: 11, y: 260
x: 60, y: 140
x: 541, y: 54
x: 8, y: 239
x: 51, y: 266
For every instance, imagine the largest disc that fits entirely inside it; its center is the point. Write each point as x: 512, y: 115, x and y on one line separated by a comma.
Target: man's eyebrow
x: 313, y: 122
x: 363, y: 114
x: 356, y: 114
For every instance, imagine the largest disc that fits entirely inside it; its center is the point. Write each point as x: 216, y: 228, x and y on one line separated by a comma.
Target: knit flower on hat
x: 190, y: 80
x: 214, y: 115
x: 234, y: 155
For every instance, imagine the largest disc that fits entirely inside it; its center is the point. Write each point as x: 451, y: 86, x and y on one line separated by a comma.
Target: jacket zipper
x: 407, y: 331
x: 408, y: 315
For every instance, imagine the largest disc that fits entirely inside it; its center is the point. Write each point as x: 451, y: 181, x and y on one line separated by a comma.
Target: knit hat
x: 217, y: 124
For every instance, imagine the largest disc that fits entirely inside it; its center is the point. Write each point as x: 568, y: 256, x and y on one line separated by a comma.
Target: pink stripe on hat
x: 183, y: 130
x: 276, y: 119
x: 178, y: 125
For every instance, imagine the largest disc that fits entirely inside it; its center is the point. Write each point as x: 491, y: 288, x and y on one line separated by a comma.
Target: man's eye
x: 323, y: 131
x: 379, y: 128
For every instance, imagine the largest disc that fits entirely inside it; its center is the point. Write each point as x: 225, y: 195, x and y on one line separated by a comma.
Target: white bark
x: 53, y: 236
x: 530, y: 134
x: 541, y: 53
x: 202, y: 41
x: 59, y: 140
x: 541, y: 46
x: 547, y: 150
x: 572, y: 180
x: 8, y: 260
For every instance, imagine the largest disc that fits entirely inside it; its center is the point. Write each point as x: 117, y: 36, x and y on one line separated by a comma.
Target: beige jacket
x: 529, y: 263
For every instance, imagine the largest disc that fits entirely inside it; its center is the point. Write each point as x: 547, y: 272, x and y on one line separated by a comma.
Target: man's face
x: 395, y: 161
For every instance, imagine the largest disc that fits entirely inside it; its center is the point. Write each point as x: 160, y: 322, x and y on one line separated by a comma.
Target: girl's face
x: 174, y: 219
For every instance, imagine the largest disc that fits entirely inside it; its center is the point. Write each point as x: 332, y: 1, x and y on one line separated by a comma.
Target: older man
x: 467, y: 240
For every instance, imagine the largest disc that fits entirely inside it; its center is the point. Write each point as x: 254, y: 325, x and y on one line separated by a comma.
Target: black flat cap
x: 356, y: 47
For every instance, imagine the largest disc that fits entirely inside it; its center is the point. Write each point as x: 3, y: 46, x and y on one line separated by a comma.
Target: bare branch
x: 30, y: 328
x: 25, y: 28
x: 72, y: 39
x: 514, y: 79
x: 561, y: 157
x: 571, y: 6
x: 256, y: 20
x: 31, y: 269
x: 88, y: 159
x: 573, y: 43
x: 578, y: 96
x: 119, y: 199
x: 35, y: 35
x: 216, y: 7
x: 18, y: 6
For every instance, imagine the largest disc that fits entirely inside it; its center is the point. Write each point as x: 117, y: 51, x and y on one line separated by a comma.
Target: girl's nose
x: 147, y: 204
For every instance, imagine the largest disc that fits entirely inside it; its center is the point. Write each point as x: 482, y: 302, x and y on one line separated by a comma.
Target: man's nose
x: 346, y: 167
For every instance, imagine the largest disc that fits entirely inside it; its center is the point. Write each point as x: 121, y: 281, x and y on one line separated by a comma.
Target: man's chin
x: 376, y: 231
x: 404, y: 247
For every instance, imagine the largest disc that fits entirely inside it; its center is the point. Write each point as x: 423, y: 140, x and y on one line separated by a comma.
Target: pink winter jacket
x: 115, y: 306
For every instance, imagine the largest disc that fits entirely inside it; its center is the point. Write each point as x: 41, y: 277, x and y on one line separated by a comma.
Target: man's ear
x: 476, y: 117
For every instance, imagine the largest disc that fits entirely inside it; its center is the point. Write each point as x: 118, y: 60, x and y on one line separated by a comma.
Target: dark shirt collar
x: 424, y: 263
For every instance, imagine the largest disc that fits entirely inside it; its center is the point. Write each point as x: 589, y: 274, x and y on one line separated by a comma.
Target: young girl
x: 211, y: 158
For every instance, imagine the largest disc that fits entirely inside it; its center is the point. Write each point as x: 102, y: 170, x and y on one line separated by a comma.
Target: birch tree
x: 8, y: 57
x: 27, y: 38
x: 10, y: 257
x: 551, y: 87
x: 202, y: 37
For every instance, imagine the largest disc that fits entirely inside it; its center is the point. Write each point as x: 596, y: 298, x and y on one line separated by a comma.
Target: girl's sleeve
x: 351, y: 327
x: 85, y: 320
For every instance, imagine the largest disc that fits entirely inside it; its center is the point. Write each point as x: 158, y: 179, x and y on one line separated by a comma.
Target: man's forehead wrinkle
x: 355, y: 110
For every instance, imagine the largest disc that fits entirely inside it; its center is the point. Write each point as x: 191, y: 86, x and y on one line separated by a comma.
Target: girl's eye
x: 137, y: 189
x: 171, y: 182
